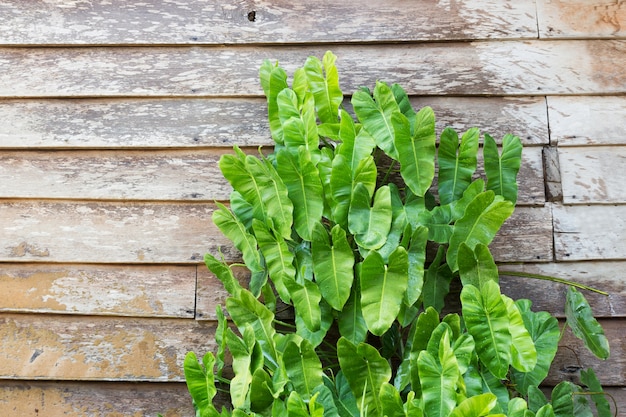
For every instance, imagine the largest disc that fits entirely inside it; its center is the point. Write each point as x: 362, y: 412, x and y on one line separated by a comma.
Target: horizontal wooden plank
x: 573, y: 357
x: 146, y: 291
x: 106, y: 232
x: 37, y: 346
x: 581, y: 18
x: 94, y: 399
x: 589, y: 232
x: 159, y: 175
x: 593, y: 174
x: 581, y: 120
x: 550, y: 296
x: 462, y: 68
x: 212, y: 22
x: 130, y: 123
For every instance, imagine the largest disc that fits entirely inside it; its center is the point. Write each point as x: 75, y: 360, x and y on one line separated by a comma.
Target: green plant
x: 339, y: 227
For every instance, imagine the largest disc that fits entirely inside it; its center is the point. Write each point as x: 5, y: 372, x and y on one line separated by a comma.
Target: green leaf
x: 223, y: 272
x: 436, y: 282
x: 261, y: 397
x: 391, y: 402
x: 351, y: 323
x: 523, y: 352
x: 306, y: 300
x: 303, y: 368
x: 220, y: 339
x: 375, y: 114
x: 477, y: 266
x: 234, y: 169
x: 536, y: 399
x: 545, y: 333
x: 366, y: 372
x: 273, y: 80
x: 588, y: 377
x: 438, y: 378
x: 356, y: 144
x: 242, y: 363
x: 501, y: 170
x: 317, y: 337
x: 383, y: 288
x: 404, y: 103
x: 562, y: 399
x: 333, y: 263
x: 487, y: 320
x: 299, y: 124
x: 417, y: 255
x: 416, y: 151
x: 326, y: 398
x: 517, y: 407
x: 477, y: 406
x: 370, y: 225
x: 304, y: 187
x: 482, y: 219
x: 545, y: 411
x: 296, y: 407
x: 457, y: 163
x: 324, y: 83
x: 580, y: 319
x: 200, y: 383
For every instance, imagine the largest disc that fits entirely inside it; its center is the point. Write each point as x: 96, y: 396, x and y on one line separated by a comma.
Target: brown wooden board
x: 39, y: 346
x: 592, y: 120
x: 581, y: 18
x: 456, y: 68
x: 193, y: 123
x: 146, y: 290
x: 593, y: 174
x: 261, y: 21
x: 94, y: 399
x: 590, y: 232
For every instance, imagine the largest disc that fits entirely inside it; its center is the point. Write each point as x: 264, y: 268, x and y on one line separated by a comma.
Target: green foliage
x: 340, y: 223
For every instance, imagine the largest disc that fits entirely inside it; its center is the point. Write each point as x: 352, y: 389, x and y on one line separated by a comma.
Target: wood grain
x: 57, y: 347
x: 261, y: 21
x: 125, y: 290
x: 589, y: 232
x: 593, y: 174
x: 456, y: 68
x: 220, y: 122
x: 580, y: 120
x: 581, y: 18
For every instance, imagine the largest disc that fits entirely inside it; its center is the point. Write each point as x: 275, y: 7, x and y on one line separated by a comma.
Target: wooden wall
x: 113, y: 116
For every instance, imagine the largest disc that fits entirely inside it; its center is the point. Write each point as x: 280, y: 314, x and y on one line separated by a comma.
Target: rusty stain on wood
x: 582, y: 18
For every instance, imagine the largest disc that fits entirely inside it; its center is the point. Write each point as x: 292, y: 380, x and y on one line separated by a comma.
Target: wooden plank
x: 239, y: 22
x: 145, y: 291
x: 113, y: 175
x: 573, y: 356
x: 581, y: 18
x: 179, y: 175
x: 60, y: 347
x: 576, y: 121
x: 56, y: 399
x: 456, y: 68
x: 593, y: 174
x: 107, y: 232
x: 550, y: 296
x: 589, y: 232
x: 129, y: 123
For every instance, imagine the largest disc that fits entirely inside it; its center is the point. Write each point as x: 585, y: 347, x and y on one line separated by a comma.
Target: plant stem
x: 553, y: 279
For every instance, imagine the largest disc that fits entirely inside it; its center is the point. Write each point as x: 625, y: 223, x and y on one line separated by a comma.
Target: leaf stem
x: 553, y: 279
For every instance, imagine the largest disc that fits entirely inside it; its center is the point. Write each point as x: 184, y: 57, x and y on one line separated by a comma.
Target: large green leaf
x: 584, y: 325
x: 261, y: 396
x: 404, y: 104
x: 392, y: 405
x: 477, y: 406
x: 476, y: 266
x: 457, y: 163
x: 273, y: 80
x: 588, y: 377
x: 383, y: 288
x: 437, y: 280
x: 220, y: 339
x: 333, y: 263
x: 523, y: 352
x: 315, y: 337
x: 562, y: 399
x: 375, y: 114
x: 296, y: 407
x: 416, y: 151
x: 482, y: 219
x: 324, y: 83
x: 417, y: 255
x: 299, y: 125
x: 200, y: 383
x: 303, y: 367
x: 356, y: 144
x: 370, y: 225
x: 304, y: 187
x: 350, y: 319
x: 242, y: 350
x: 366, y: 372
x: 223, y: 272
x: 234, y: 169
x: 277, y: 256
x: 487, y: 320
x: 545, y: 333
x: 306, y: 299
x: 439, y: 376
x: 501, y: 170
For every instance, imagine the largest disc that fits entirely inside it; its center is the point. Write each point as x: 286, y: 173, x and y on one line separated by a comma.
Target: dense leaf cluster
x: 342, y: 222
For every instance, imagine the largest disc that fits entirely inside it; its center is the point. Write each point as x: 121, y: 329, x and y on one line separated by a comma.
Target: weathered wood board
x: 593, y: 174
x: 581, y: 18
x: 589, y: 232
x: 456, y: 68
x: 253, y: 22
x: 124, y: 290
x: 220, y: 122
x: 38, y: 346
x: 587, y: 120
